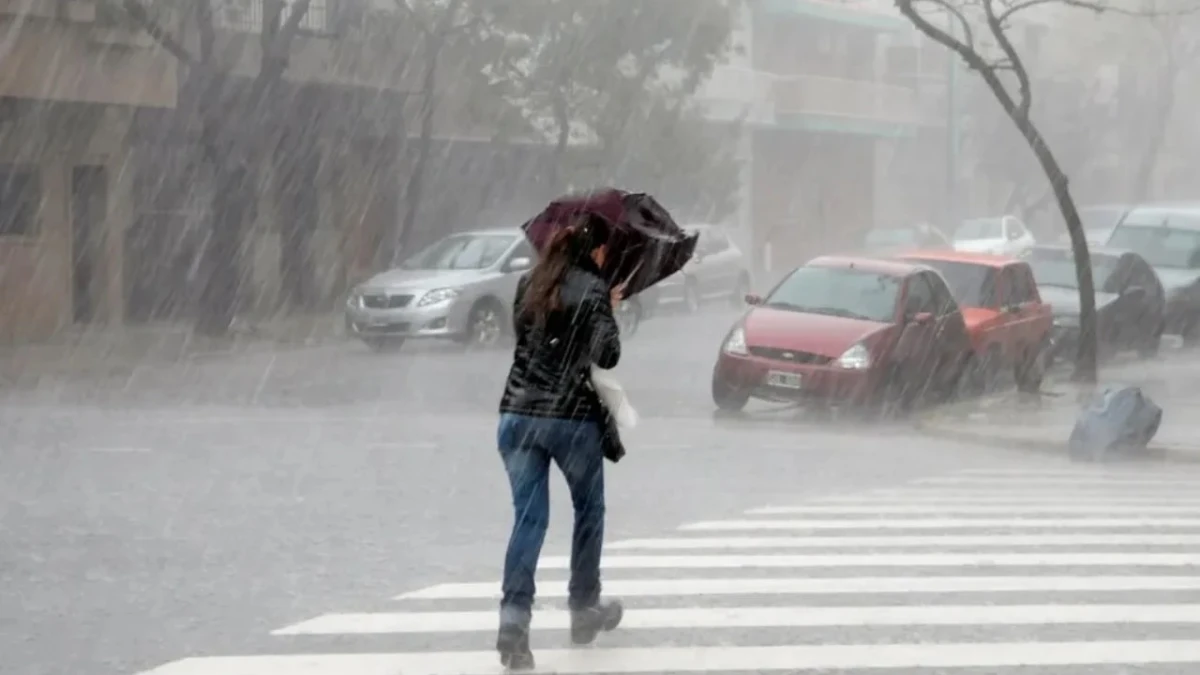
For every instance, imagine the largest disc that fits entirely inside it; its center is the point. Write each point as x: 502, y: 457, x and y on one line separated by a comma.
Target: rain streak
x: 463, y: 337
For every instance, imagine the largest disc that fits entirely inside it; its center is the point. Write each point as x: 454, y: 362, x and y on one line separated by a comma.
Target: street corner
x: 1039, y: 422
x: 1043, y: 422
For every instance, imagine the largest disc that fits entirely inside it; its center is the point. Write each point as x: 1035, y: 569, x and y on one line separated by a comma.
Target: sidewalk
x: 1044, y: 423
x: 117, y: 351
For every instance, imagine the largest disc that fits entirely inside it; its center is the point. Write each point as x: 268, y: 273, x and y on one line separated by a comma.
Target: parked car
x: 1098, y: 223
x: 1168, y: 238
x: 461, y: 288
x: 848, y: 330
x: 718, y: 271
x: 1130, y: 301
x: 1007, y: 320
x: 1003, y: 235
x: 891, y: 239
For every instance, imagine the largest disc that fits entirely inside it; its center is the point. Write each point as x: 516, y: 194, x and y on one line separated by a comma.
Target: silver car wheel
x: 627, y: 318
x: 485, y: 326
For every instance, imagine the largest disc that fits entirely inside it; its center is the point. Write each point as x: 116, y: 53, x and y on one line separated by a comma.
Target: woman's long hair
x: 565, y: 249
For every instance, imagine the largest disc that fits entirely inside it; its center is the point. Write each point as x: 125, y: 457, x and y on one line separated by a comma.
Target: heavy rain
x: 844, y: 335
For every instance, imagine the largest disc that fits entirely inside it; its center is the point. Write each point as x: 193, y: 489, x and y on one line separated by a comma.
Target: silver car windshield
x: 461, y: 252
x: 1057, y: 268
x: 981, y: 228
x: 1161, y: 246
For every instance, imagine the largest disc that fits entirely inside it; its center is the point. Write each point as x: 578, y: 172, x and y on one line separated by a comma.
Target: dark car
x: 1130, y: 301
x: 846, y: 330
x: 1168, y: 238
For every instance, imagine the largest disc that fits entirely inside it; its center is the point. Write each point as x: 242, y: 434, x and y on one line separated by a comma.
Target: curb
x: 1166, y: 454
x: 108, y: 369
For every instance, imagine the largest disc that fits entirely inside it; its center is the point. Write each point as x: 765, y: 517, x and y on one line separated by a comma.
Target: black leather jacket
x: 551, y: 370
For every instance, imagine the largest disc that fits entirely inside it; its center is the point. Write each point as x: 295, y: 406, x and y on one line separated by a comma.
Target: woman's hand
x: 616, y: 295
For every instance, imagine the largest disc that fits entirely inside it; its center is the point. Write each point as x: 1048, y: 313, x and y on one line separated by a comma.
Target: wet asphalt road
x: 191, y: 511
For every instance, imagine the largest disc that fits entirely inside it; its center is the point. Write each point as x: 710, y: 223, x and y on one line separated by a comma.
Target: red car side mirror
x: 753, y: 299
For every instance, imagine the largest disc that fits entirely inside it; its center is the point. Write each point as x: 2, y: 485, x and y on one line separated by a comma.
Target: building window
x: 20, y: 200
x: 246, y: 16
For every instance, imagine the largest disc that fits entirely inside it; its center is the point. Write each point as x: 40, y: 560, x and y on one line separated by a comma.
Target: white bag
x: 613, y: 396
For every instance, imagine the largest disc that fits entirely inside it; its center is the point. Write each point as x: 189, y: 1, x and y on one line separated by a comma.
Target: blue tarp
x: 1119, y: 420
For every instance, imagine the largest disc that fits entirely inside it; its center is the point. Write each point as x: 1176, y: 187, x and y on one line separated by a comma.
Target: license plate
x: 777, y: 378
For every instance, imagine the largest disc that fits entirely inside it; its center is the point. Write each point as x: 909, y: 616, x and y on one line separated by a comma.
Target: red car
x: 849, y: 330
x: 1007, y: 320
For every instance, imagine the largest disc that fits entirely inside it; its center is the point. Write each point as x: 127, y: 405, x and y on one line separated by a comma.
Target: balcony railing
x: 53, y: 56
x: 816, y: 95
x: 70, y: 10
x: 246, y: 16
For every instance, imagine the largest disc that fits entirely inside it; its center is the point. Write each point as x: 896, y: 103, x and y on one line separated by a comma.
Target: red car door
x: 951, y: 342
x: 918, y: 327
x: 1032, y: 319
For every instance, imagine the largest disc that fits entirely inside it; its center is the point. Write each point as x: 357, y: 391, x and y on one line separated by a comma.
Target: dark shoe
x: 513, y: 645
x: 586, y: 624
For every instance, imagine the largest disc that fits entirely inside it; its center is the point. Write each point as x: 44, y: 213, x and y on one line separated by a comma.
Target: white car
x: 1002, y: 235
x: 718, y: 270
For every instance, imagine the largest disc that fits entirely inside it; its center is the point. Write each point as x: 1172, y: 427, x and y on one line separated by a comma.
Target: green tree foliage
x: 611, y: 85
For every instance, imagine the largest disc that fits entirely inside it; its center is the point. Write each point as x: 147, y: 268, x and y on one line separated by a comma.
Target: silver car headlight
x: 354, y: 299
x: 438, y: 296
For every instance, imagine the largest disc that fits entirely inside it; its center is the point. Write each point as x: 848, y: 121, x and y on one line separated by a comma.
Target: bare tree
x: 437, y: 23
x: 229, y: 118
x: 995, y: 63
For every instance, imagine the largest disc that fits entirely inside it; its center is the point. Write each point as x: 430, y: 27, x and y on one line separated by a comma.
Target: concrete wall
x: 52, y: 60
x: 36, y: 271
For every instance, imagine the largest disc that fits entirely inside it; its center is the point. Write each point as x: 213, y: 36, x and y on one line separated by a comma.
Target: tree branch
x: 1097, y: 6
x: 206, y: 27
x: 272, y: 17
x: 137, y: 11
x: 445, y: 27
x: 954, y: 12
x: 969, y: 56
x: 1014, y: 61
x: 299, y: 9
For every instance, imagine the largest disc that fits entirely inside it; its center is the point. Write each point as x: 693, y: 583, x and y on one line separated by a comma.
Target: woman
x: 563, y: 320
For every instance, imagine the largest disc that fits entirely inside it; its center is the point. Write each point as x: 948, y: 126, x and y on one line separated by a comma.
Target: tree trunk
x: 562, y: 119
x: 1086, y: 358
x: 234, y: 144
x: 416, y: 182
x: 221, y: 259
x: 1019, y: 113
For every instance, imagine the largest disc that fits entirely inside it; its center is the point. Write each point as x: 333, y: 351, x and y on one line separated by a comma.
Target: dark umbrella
x: 646, y: 246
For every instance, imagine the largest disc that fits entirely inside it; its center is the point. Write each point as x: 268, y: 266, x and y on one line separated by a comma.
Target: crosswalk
x: 986, y: 570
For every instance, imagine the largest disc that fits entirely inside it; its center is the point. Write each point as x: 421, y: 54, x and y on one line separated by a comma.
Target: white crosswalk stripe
x: 1080, y: 567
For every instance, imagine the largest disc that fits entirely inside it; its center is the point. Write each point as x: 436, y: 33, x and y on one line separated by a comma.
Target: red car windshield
x: 971, y: 285
x: 838, y: 291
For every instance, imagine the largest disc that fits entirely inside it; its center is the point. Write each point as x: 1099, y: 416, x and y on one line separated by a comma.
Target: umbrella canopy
x: 646, y: 245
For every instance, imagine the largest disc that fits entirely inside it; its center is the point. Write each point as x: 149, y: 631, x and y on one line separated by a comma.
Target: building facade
x: 102, y: 213
x: 69, y: 85
x: 843, y: 111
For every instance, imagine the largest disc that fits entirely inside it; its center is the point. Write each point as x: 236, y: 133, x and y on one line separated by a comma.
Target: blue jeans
x: 527, y: 445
